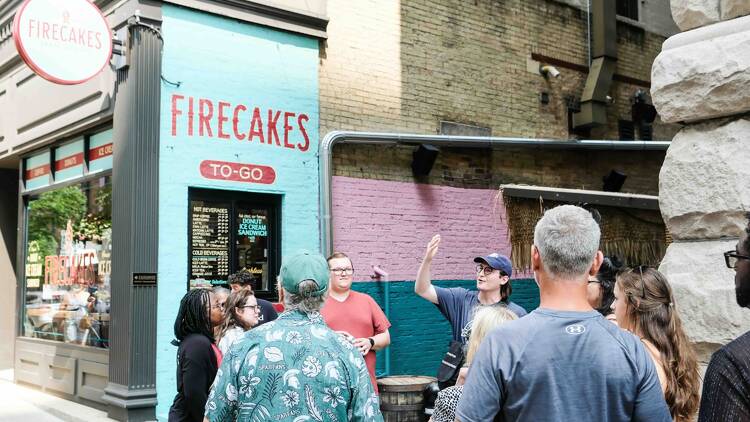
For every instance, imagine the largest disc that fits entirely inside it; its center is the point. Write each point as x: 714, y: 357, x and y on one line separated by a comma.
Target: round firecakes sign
x: 64, y: 41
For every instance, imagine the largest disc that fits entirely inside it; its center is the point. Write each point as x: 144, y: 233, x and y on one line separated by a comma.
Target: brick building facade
x: 412, y: 66
x: 406, y: 66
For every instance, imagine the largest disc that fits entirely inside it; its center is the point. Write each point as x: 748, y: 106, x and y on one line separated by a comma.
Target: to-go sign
x: 237, y: 172
x: 64, y: 41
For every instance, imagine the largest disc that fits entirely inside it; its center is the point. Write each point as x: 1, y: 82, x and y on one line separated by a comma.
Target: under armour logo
x: 575, y: 329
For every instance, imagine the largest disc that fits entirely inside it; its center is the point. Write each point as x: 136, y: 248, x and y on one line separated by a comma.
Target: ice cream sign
x: 64, y: 41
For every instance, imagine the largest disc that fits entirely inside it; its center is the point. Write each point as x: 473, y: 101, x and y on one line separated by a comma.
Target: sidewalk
x: 25, y: 404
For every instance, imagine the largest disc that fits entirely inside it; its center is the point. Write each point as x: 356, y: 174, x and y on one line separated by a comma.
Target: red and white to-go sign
x: 64, y: 41
x: 237, y: 172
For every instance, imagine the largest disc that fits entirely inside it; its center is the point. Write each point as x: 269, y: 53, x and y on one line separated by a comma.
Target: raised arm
x: 423, y: 286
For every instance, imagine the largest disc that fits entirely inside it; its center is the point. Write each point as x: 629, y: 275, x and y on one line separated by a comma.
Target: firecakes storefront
x: 190, y: 155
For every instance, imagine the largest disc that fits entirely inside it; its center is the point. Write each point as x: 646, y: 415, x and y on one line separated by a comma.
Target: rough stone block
x: 689, y: 14
x: 704, y: 291
x: 734, y: 8
x: 703, y: 183
x: 704, y: 79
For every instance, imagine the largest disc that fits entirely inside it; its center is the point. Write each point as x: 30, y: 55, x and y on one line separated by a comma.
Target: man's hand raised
x: 432, y: 248
x: 423, y: 285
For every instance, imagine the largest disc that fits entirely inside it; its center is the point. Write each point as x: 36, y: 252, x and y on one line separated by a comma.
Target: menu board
x: 209, y: 243
x: 252, y: 243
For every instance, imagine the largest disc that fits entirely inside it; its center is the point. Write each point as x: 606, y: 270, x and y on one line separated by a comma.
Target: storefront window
x: 230, y: 232
x: 68, y: 264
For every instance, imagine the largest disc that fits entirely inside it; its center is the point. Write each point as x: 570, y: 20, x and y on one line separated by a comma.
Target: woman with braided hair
x: 198, y: 358
x: 644, y: 305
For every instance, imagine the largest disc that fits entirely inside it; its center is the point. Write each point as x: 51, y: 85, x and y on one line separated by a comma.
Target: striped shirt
x: 726, y: 387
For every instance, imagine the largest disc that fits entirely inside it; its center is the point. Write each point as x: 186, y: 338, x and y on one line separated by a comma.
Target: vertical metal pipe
x: 588, y: 31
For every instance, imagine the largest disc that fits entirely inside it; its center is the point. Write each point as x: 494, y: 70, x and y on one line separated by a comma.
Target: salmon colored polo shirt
x: 359, y: 316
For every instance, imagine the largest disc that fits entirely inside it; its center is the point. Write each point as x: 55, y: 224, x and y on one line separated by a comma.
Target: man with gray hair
x: 294, y: 368
x: 564, y: 361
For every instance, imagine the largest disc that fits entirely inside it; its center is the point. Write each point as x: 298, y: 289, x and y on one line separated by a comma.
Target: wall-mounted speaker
x: 423, y: 159
x: 613, y: 181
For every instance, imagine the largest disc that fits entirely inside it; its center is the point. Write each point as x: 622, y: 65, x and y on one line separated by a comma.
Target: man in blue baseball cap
x: 459, y: 305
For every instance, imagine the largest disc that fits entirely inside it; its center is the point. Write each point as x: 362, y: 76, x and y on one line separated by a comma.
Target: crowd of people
x: 605, y: 344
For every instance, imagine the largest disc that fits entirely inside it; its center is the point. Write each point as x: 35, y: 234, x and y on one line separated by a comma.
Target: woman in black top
x: 601, y: 289
x: 197, y: 356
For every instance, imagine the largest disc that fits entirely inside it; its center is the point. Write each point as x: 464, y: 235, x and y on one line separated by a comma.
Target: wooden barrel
x: 402, y: 399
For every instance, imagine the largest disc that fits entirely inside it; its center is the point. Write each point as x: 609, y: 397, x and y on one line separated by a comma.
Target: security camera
x: 549, y: 70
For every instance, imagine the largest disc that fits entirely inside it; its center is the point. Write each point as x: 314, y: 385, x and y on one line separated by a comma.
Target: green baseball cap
x: 304, y: 266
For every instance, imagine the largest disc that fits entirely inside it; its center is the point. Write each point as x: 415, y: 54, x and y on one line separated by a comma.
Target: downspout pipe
x: 380, y: 274
x: 332, y: 139
x: 603, y: 61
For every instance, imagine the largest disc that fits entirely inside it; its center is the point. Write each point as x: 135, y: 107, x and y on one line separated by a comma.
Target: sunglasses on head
x: 640, y: 270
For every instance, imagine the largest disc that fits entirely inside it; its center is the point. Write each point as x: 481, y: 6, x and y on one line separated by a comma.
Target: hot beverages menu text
x: 209, y: 242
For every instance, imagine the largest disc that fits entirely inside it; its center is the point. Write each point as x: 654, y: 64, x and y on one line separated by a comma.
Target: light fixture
x: 548, y: 70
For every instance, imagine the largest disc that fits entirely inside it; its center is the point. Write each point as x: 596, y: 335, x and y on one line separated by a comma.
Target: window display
x: 68, y: 264
x: 252, y: 244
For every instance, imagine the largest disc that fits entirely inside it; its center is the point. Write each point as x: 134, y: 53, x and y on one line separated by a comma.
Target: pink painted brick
x: 388, y: 223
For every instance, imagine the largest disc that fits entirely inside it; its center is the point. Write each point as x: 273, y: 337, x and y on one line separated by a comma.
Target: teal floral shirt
x: 293, y: 369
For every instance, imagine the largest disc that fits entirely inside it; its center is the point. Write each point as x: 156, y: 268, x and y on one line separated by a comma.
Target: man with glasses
x: 244, y: 280
x: 355, y: 315
x: 726, y: 386
x: 459, y: 305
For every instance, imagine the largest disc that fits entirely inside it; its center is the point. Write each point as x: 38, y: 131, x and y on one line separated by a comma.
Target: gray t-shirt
x: 562, y: 366
x: 459, y: 305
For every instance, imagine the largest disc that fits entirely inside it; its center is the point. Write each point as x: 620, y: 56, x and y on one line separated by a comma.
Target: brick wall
x: 405, y: 66
x: 388, y: 223
x: 485, y: 169
x: 385, y: 223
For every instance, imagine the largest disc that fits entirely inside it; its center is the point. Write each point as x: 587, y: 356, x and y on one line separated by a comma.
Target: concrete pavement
x: 19, y: 403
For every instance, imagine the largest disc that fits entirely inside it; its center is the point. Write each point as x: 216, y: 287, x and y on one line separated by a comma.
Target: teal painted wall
x: 419, y: 332
x: 228, y: 62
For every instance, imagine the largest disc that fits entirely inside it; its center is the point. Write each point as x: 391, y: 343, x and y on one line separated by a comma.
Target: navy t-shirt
x: 562, y: 366
x: 267, y: 311
x: 459, y: 305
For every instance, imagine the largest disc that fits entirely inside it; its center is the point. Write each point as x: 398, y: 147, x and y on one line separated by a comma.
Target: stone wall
x: 405, y: 66
x: 701, y: 77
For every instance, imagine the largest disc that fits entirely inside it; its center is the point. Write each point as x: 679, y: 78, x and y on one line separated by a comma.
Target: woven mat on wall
x: 637, y: 236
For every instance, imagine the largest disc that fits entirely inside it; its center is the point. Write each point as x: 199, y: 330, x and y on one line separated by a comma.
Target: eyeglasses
x: 731, y: 258
x: 256, y: 308
x: 342, y: 271
x: 486, y: 270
